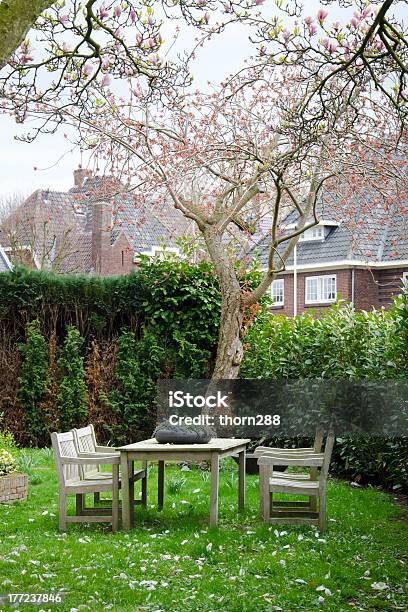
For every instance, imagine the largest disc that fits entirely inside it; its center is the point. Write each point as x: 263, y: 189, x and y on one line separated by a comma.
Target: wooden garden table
x: 151, y: 450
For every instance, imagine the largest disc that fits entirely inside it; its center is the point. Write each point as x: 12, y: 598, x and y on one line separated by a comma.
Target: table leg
x: 241, y: 481
x: 125, y: 490
x: 160, y: 489
x: 214, y: 490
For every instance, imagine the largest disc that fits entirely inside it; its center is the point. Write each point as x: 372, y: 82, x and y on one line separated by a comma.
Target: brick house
x: 97, y: 227
x: 366, y: 267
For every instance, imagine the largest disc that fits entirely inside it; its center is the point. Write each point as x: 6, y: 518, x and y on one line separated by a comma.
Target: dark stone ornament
x: 165, y: 433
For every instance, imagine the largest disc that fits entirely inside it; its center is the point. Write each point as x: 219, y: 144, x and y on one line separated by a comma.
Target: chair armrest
x: 106, y: 450
x: 91, y: 459
x: 307, y: 459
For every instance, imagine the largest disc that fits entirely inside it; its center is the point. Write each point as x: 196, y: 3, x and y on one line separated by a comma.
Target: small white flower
x: 209, y: 547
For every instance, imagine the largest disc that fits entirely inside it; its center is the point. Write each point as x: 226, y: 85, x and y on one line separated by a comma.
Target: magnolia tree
x: 322, y: 102
x: 231, y: 159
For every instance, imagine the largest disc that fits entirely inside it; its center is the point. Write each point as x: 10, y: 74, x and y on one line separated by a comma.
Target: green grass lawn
x: 172, y: 561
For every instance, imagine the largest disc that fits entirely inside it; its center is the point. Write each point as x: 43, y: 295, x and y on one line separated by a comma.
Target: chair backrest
x: 327, y: 455
x: 85, y: 442
x: 64, y: 446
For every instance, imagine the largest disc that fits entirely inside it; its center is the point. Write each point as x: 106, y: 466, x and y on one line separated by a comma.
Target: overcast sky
x: 51, y: 154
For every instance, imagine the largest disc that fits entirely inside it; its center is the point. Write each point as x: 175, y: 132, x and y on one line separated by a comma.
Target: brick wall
x: 366, y: 289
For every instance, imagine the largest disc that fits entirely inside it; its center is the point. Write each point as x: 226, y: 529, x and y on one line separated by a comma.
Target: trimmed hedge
x: 340, y: 344
x: 63, y: 338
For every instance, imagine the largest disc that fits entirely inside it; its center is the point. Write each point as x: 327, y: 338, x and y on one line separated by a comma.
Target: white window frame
x: 320, y: 299
x: 309, y: 234
x: 274, y: 283
x: 405, y: 279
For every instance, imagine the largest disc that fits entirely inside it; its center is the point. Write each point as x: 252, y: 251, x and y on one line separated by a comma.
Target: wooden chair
x: 312, y: 473
x: 71, y: 482
x: 295, y: 512
x: 85, y: 441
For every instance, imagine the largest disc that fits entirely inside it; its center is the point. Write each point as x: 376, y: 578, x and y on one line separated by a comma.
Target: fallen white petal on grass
x: 300, y: 581
x: 209, y: 547
x: 380, y: 586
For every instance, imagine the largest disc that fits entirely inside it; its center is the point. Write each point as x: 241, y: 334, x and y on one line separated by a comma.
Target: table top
x: 215, y: 444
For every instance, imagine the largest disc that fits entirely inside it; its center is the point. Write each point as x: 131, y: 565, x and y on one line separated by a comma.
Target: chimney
x: 101, y: 237
x: 80, y: 174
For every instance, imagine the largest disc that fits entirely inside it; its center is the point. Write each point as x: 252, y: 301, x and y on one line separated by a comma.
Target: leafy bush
x: 7, y: 462
x: 72, y: 396
x: 341, y: 344
x: 33, y: 382
x: 7, y: 440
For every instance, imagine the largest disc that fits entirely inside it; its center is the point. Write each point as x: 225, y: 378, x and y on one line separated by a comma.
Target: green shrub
x: 7, y: 462
x: 341, y: 344
x: 72, y: 395
x: 33, y: 382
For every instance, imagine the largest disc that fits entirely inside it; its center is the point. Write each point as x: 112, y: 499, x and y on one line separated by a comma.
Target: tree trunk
x: 16, y: 19
x: 230, y: 349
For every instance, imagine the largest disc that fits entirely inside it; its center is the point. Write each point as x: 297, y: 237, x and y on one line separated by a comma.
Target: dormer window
x: 313, y: 233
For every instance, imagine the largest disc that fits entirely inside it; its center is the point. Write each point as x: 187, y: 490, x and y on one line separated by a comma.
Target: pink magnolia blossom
x: 207, y: 17
x: 321, y: 15
x: 103, y: 12
x: 117, y: 11
x: 355, y: 22
x: 308, y: 20
x: 133, y: 15
x: 139, y: 39
x: 150, y: 20
x: 106, y: 80
x: 105, y: 62
x: 330, y: 45
x: 87, y: 69
x: 312, y: 29
x: 259, y: 2
x: 63, y: 18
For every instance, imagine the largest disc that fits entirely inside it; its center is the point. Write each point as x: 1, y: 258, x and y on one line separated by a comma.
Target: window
x: 278, y: 292
x: 320, y: 289
x: 313, y: 233
x: 405, y: 279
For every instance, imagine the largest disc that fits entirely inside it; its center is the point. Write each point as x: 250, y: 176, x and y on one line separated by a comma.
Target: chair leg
x: 115, y: 498
x: 313, y: 498
x: 264, y: 492
x: 79, y: 504
x: 144, y: 485
x: 322, y: 512
x: 62, y: 511
x: 97, y: 498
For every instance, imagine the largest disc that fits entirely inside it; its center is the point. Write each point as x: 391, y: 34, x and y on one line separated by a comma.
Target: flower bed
x: 13, y: 485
